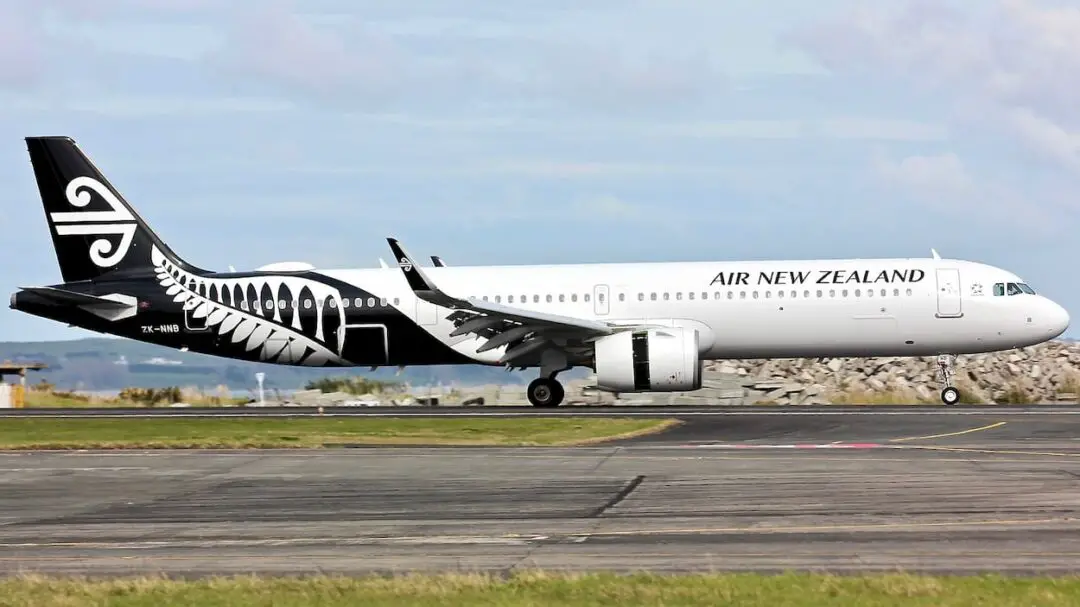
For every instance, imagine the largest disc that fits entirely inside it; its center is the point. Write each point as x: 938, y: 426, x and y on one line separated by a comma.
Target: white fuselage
x: 758, y: 309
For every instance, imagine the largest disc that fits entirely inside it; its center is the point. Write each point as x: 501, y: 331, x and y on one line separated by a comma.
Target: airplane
x: 640, y: 327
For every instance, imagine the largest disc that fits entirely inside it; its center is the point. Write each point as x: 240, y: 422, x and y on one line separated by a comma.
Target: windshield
x: 1012, y: 288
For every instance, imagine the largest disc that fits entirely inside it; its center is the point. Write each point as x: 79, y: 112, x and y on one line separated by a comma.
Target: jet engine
x: 649, y: 360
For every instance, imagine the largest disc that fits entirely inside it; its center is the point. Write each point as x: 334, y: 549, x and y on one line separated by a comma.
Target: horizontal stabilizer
x: 74, y: 298
x: 112, y: 307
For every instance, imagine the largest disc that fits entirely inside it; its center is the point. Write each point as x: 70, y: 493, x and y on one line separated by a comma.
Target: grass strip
x: 533, y: 588
x: 309, y: 432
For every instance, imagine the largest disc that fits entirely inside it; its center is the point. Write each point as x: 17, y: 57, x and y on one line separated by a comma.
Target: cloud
x: 945, y: 185
x: 21, y: 55
x: 358, y: 62
x: 1006, y: 69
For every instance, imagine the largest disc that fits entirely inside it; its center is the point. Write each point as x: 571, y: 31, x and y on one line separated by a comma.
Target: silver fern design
x: 262, y: 330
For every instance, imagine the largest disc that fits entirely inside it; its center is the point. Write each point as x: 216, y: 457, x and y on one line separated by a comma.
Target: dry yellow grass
x: 534, y: 588
x: 312, y: 432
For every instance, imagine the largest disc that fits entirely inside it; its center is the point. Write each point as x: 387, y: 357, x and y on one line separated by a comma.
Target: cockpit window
x: 1012, y: 288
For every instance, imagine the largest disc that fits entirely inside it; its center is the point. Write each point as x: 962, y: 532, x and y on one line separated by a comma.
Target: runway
x: 930, y: 492
x: 571, y: 411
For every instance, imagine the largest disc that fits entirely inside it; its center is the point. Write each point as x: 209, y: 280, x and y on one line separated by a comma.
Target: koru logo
x: 117, y: 222
x: 404, y: 264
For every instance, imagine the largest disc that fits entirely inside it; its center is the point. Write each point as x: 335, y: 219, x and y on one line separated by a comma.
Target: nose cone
x: 1056, y: 318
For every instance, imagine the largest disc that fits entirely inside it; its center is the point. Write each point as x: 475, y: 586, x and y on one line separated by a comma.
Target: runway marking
x: 836, y: 445
x: 990, y: 451
x: 823, y: 528
x: 513, y: 539
x: 67, y: 469
x: 947, y: 434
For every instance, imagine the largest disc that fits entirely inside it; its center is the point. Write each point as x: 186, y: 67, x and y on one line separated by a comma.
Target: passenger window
x: 641, y: 297
x: 586, y: 297
x: 730, y: 294
x: 573, y: 297
x: 909, y: 292
x: 397, y: 300
x: 382, y: 301
x: 562, y: 298
x: 678, y: 296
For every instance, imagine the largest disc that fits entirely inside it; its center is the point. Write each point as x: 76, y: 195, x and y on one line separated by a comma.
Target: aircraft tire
x: 950, y: 396
x: 544, y: 392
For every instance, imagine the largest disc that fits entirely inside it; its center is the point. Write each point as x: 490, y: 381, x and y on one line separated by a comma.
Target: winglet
x: 934, y: 253
x: 437, y: 261
x: 418, y: 281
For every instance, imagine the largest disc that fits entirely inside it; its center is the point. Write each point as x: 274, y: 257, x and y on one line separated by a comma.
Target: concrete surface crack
x: 618, y: 497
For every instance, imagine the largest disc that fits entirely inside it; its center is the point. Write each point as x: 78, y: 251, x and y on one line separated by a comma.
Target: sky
x: 547, y: 131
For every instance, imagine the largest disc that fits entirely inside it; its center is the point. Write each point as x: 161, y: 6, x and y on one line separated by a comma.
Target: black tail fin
x: 95, y: 231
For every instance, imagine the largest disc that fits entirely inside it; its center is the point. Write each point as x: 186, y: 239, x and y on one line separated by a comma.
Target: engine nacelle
x: 652, y: 360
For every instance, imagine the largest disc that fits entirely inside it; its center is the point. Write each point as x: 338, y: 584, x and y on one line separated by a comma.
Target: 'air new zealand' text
x: 822, y: 277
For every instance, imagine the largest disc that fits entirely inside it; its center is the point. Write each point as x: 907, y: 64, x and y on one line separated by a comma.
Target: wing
x: 525, y: 332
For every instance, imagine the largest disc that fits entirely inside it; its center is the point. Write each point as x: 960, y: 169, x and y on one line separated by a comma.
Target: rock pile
x: 1045, y: 373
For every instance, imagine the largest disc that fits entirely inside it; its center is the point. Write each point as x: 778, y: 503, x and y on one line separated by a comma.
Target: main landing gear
x: 949, y: 394
x: 546, y: 391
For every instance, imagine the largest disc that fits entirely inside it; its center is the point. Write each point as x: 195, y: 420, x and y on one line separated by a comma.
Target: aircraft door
x: 948, y: 293
x: 427, y: 314
x: 601, y: 300
x: 364, y: 344
x: 193, y: 323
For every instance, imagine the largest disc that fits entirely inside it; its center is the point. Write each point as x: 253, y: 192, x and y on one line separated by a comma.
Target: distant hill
x: 104, y: 364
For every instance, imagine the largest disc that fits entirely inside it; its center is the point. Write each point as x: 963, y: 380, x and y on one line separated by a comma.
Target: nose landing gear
x: 949, y: 394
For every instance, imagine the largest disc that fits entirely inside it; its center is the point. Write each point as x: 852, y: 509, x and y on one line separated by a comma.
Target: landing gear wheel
x: 950, y: 396
x: 544, y: 392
